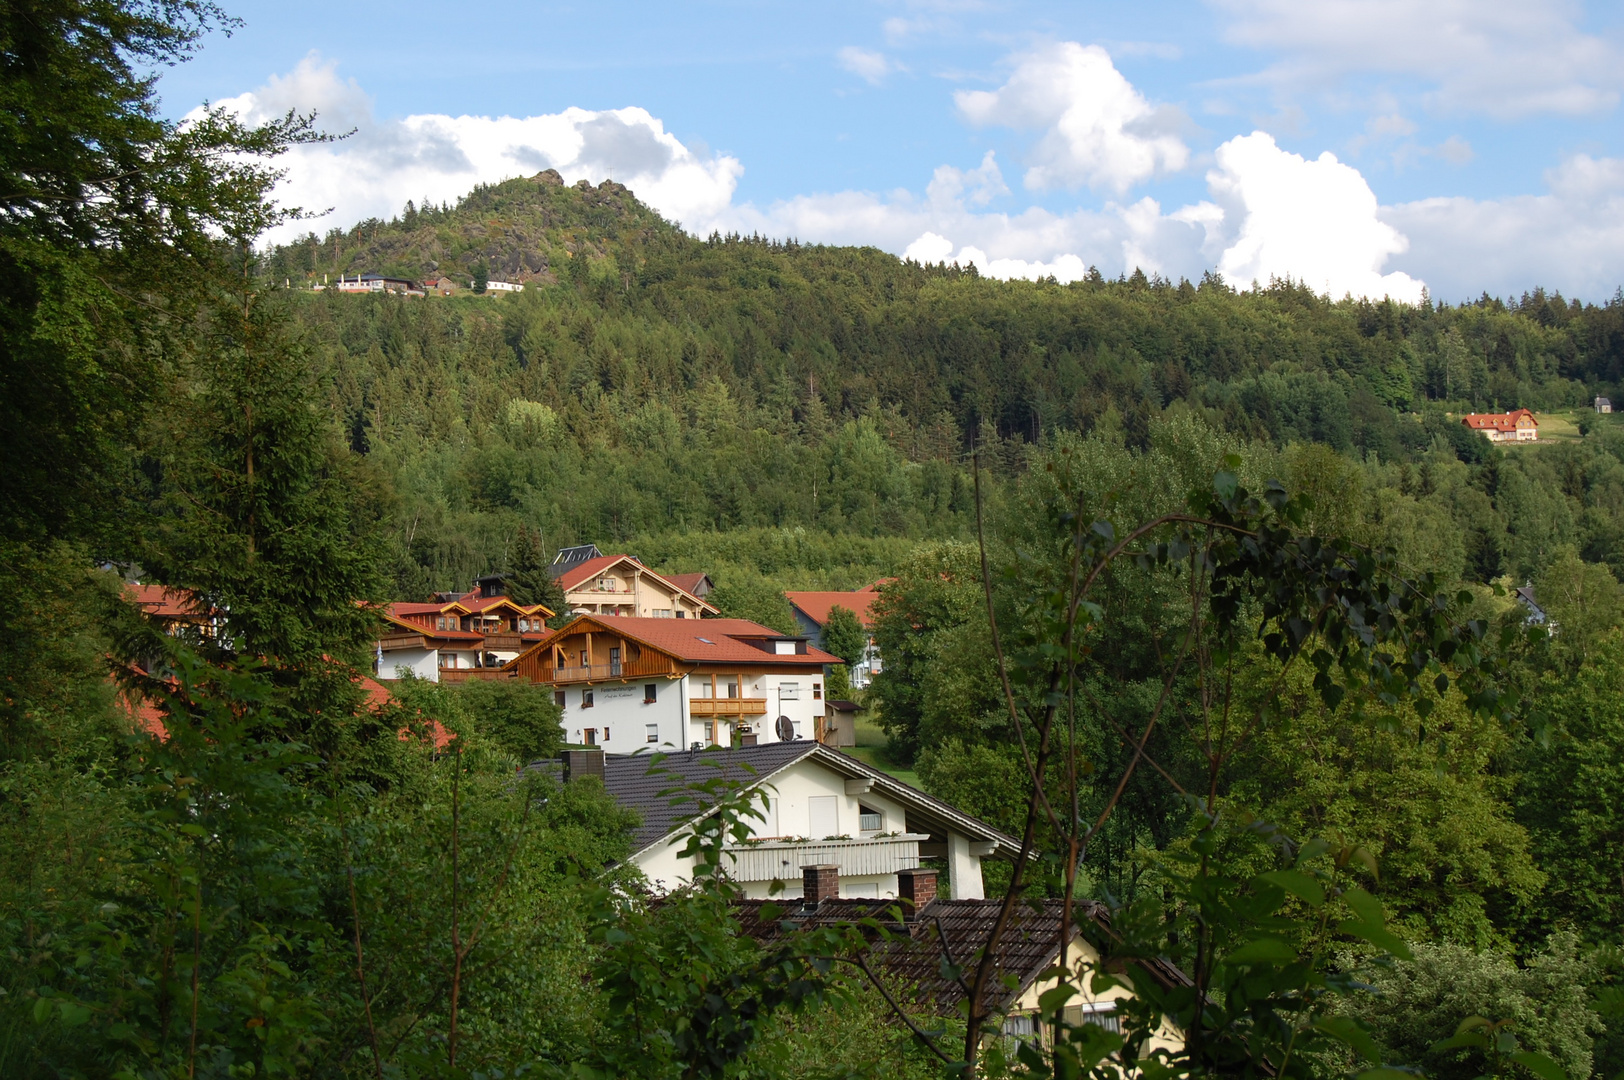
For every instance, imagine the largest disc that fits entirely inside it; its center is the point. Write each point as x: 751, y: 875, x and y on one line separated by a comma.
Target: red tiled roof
x: 580, y: 572
x: 687, y: 582
x: 818, y: 605
x: 1497, y: 421
x: 163, y: 601
x: 701, y: 641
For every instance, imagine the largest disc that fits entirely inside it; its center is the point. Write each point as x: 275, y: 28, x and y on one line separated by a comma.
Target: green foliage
x: 1543, y: 1003
x: 744, y: 596
x: 844, y: 635
x: 518, y: 717
x: 837, y: 683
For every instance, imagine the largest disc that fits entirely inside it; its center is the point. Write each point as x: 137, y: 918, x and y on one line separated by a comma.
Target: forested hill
x: 648, y: 382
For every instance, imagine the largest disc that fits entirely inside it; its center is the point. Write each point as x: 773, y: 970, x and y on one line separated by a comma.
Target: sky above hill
x: 1376, y: 147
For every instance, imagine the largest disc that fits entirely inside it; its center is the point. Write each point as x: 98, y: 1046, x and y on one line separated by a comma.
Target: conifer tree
x: 528, y: 579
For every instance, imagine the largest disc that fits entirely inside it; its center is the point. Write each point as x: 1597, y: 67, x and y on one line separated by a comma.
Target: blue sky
x: 1477, y: 143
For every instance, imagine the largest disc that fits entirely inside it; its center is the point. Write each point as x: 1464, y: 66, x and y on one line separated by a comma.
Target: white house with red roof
x: 471, y: 636
x: 629, y: 683
x: 812, y: 609
x: 1518, y: 425
x: 621, y: 586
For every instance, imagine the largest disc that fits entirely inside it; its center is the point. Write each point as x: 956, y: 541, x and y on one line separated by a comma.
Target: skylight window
x: 707, y: 641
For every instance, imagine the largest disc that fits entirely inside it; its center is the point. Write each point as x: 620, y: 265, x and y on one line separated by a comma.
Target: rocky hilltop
x: 521, y: 229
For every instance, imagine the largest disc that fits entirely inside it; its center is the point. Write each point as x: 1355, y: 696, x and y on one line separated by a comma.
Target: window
x: 558, y: 698
x: 727, y: 687
x: 817, y: 691
x: 583, y: 658
x: 661, y: 613
x: 614, y: 660
x: 1102, y: 1013
x: 653, y: 731
x: 524, y: 626
x: 681, y: 614
x: 586, y: 699
x: 605, y: 734
x: 650, y: 692
x: 592, y: 736
x: 869, y: 819
x: 789, y: 691
x: 1022, y: 1028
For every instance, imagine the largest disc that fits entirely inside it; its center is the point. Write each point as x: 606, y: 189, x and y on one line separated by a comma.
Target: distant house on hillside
x: 373, y: 283
x: 501, y: 286
x: 440, y: 285
x: 1604, y: 405
x: 811, y: 610
x: 621, y: 585
x: 453, y: 638
x: 699, y: 584
x: 1516, y: 426
x: 1536, y: 614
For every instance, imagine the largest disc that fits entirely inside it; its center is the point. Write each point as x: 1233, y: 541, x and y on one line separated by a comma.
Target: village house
x: 454, y: 638
x: 928, y: 934
x: 1516, y: 426
x: 501, y: 286
x: 822, y: 808
x: 373, y: 283
x: 440, y: 285
x: 620, y: 585
x: 1604, y: 405
x: 629, y: 683
x: 811, y: 610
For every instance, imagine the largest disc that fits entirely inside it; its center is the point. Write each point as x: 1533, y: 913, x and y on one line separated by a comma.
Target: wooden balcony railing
x: 746, y: 706
x: 642, y: 667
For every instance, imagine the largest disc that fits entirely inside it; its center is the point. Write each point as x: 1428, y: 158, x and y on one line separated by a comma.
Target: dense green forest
x: 1203, y: 592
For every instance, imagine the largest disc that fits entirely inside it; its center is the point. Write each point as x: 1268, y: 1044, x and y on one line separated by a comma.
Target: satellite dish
x: 786, y: 729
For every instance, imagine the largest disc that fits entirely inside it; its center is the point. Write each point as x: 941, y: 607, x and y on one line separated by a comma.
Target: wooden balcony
x: 471, y: 674
x: 651, y: 665
x: 736, y: 706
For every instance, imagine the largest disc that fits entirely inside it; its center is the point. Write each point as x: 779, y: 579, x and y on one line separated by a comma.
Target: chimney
x: 915, y: 888
x: 581, y: 763
x: 819, y: 882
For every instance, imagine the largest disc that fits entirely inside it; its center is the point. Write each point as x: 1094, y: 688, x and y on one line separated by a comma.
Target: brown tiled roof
x: 688, y: 583
x: 1497, y: 421
x: 950, y: 931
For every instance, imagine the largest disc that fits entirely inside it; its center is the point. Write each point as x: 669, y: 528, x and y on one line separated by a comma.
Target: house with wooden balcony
x: 470, y: 636
x: 818, y: 807
x: 621, y: 586
x: 632, y: 684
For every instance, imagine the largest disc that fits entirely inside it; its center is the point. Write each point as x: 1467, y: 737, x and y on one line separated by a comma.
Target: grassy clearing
x: 870, y: 749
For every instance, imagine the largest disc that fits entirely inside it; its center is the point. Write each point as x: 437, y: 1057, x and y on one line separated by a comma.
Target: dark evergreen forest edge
x: 1250, y: 577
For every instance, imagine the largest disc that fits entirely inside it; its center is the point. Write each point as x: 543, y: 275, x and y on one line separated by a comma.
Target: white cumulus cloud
x: 1508, y: 58
x: 385, y: 162
x: 1099, y: 131
x: 1285, y: 216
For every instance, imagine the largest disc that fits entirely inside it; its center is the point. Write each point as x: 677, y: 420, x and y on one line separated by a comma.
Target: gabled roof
x: 699, y: 641
x: 645, y: 783
x: 1498, y: 421
x: 582, y: 572
x: 817, y: 605
x: 571, y: 556
x: 690, y: 583
x: 915, y: 952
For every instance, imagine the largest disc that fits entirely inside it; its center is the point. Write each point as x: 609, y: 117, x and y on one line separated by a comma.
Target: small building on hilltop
x: 1604, y: 405
x: 1516, y: 426
x: 637, y: 684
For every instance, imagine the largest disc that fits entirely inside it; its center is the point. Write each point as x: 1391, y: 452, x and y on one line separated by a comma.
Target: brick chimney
x: 915, y: 888
x: 580, y: 763
x: 819, y: 882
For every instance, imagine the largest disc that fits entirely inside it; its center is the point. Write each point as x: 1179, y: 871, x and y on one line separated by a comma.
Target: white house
x: 823, y: 808
x: 644, y: 684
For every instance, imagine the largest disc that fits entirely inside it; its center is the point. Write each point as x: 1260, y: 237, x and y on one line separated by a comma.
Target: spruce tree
x: 528, y: 579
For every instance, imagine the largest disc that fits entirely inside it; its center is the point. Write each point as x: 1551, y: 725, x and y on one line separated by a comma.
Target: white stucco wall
x: 619, y: 708
x: 423, y: 663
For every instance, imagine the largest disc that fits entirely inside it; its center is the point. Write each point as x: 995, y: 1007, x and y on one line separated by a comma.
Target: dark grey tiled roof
x: 644, y: 782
